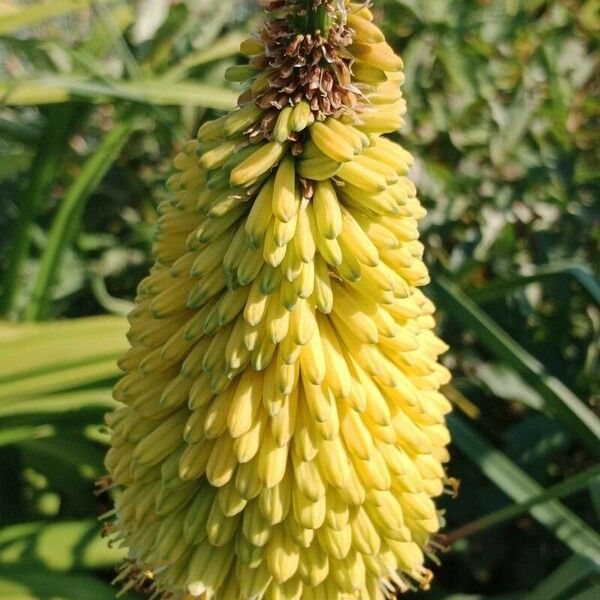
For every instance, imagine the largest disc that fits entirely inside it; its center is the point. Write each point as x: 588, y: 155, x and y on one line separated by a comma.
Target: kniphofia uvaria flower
x: 282, y: 434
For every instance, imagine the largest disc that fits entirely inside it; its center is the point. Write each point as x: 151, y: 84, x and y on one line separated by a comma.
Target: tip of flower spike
x: 320, y: 58
x: 303, y: 60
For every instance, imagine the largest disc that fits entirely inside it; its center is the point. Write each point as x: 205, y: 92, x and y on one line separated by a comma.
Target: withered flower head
x: 304, y: 58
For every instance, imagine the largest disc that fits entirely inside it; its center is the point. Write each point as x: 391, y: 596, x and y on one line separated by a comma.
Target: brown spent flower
x: 313, y: 66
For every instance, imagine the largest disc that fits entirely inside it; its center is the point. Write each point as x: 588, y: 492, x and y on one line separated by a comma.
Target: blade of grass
x: 225, y: 47
x: 560, y: 490
x: 519, y: 486
x: 51, y: 369
x: 62, y: 347
x: 69, y: 214
x: 20, y: 130
x: 63, y: 379
x: 58, y: 405
x: 60, y: 547
x: 589, y: 594
x: 25, y: 433
x: 499, y: 289
x: 22, y: 334
x: 131, y: 66
x: 60, y: 123
x: 50, y: 89
x: 563, y: 579
x: 559, y: 400
x: 30, y: 15
x: 25, y: 584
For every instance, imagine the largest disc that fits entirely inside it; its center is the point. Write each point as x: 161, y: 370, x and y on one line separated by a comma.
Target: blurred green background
x: 96, y: 97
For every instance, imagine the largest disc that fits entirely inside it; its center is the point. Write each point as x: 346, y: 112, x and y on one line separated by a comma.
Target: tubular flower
x: 282, y: 433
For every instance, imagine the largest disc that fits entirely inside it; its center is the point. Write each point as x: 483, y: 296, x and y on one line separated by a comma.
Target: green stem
x: 316, y: 20
x: 322, y: 22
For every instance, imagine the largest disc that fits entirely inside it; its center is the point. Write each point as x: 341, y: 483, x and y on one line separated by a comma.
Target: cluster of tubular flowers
x: 282, y: 433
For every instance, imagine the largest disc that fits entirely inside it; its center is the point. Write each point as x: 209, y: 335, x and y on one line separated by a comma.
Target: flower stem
x: 317, y: 19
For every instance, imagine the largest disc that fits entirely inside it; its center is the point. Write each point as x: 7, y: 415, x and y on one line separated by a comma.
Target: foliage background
x: 95, y: 99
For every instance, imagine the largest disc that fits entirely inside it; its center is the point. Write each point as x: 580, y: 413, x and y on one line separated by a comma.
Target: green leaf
x: 20, y: 130
x: 514, y: 482
x: 60, y: 122
x: 563, y: 579
x: 132, y: 68
x: 30, y: 351
x: 590, y: 594
x: 504, y: 383
x: 18, y: 17
x: 595, y: 495
x: 54, y: 407
x: 518, y: 120
x: 150, y: 16
x: 481, y: 597
x: 68, y: 217
x: 62, y: 379
x: 50, y: 89
x: 560, y: 490
x: 225, y: 47
x: 559, y: 400
x: 36, y: 585
x: 39, y: 360
x: 21, y: 335
x: 63, y: 546
x: 499, y: 289
x: 15, y: 435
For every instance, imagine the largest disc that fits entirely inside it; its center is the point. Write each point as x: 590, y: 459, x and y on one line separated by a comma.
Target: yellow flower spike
x: 373, y: 121
x: 282, y: 433
x: 282, y: 556
x: 219, y: 528
x: 283, y: 423
x: 274, y: 252
x: 275, y: 502
x: 284, y: 231
x: 390, y: 175
x: 244, y: 404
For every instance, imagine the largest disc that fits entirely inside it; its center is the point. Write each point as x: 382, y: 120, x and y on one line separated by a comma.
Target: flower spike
x: 282, y: 432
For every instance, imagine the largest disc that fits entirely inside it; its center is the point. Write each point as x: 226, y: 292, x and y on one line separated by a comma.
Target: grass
x: 95, y: 99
